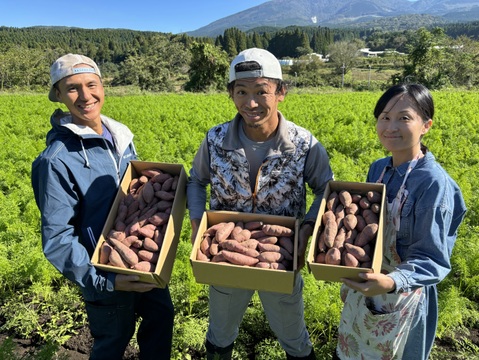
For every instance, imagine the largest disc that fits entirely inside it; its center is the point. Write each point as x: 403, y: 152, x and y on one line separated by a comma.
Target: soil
x: 78, y: 347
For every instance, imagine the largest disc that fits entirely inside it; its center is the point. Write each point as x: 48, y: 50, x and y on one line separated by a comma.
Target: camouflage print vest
x: 280, y: 186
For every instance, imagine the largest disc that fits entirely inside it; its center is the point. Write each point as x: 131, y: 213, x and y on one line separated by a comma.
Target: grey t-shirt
x: 255, y: 153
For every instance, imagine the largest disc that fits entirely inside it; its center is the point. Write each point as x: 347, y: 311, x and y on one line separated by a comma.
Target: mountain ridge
x: 331, y: 13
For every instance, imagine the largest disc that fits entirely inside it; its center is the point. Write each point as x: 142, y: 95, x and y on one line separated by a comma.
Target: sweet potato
x: 268, y: 247
x: 115, y: 259
x: 332, y: 201
x: 117, y: 235
x: 345, y: 198
x: 213, y: 228
x: 125, y: 252
x: 122, y: 212
x: 168, y: 184
x: 358, y: 252
x: 279, y: 266
x: 243, y: 235
x: 224, y: 232
x: 250, y: 243
x: 163, y: 205
x: 374, y: 197
x: 340, y: 238
x: 370, y: 217
x: 218, y: 258
x: 287, y: 243
x: 147, y: 231
x: 105, y: 251
x: 356, y: 198
x: 320, y: 258
x: 364, y: 203
x: 239, y: 259
x: 237, y: 229
x: 352, y: 209
x: 253, y: 225
x: 277, y: 230
x: 201, y: 256
x: 256, y: 234
x: 333, y: 257
x: 268, y: 240
x: 150, y: 245
x: 165, y: 195
x: 144, y: 266
x: 375, y: 208
x: 205, y: 245
x: 350, y: 221
x: 132, y: 241
x: 233, y: 245
x: 361, y: 223
x: 119, y: 226
x: 148, y: 256
x: 214, y: 249
x: 350, y: 260
x: 161, y: 177
x: 328, y: 215
x: 365, y: 236
x: 321, y: 242
x: 330, y: 231
x: 350, y: 236
x: 270, y: 256
x: 159, y: 218
x: 148, y: 193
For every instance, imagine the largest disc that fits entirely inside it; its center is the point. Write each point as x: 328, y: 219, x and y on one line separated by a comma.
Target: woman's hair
x: 419, y: 93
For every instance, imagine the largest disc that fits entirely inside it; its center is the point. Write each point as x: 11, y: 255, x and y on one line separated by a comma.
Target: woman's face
x: 400, y: 128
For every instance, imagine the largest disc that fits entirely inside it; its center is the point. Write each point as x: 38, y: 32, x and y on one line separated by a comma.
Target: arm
x: 196, y: 187
x: 59, y: 206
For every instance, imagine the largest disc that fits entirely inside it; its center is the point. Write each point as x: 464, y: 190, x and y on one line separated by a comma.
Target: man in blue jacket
x: 75, y: 180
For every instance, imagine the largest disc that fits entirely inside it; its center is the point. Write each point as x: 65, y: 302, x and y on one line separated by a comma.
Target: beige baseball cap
x: 65, y: 66
x: 269, y: 65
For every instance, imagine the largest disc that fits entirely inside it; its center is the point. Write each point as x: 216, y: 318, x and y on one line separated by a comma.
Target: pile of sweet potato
x: 349, y: 228
x: 135, y: 240
x: 248, y: 243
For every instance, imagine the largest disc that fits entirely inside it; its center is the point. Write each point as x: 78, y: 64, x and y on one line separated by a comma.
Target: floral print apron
x: 377, y: 327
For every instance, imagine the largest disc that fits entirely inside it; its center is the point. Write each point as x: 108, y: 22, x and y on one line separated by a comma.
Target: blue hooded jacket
x: 75, y: 180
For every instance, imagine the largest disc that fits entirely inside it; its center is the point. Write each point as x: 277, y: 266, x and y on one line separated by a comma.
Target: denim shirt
x: 430, y: 218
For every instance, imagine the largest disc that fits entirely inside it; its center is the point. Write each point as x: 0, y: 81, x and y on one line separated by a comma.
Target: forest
x: 439, y: 57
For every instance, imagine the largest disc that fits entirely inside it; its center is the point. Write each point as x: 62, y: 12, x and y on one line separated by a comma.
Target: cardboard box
x: 244, y: 277
x: 164, y: 266
x: 335, y: 272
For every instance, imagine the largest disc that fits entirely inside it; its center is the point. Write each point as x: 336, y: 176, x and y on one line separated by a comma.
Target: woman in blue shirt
x: 394, y: 314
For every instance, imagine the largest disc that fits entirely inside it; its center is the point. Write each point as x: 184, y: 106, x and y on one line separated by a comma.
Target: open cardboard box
x: 244, y: 277
x: 335, y: 272
x: 164, y: 266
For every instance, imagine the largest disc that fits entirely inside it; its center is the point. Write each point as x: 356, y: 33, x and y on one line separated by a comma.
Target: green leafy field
x: 37, y: 303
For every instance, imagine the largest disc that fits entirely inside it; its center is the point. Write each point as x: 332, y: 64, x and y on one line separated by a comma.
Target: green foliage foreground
x: 38, y: 304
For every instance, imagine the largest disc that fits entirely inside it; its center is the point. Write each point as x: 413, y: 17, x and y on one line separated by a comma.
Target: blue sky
x: 172, y: 16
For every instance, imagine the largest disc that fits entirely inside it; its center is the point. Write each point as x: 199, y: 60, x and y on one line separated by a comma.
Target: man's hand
x: 305, y: 233
x: 132, y: 283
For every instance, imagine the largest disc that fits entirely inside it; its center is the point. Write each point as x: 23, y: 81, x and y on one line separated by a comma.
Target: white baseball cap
x: 269, y: 65
x: 65, y: 66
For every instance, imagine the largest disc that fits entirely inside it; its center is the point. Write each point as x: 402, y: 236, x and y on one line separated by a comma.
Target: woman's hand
x: 375, y: 284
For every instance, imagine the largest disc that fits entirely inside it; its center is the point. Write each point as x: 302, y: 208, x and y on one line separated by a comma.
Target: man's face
x: 256, y: 99
x: 84, y: 96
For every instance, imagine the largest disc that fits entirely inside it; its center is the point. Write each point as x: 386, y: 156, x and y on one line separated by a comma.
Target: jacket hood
x: 63, y: 127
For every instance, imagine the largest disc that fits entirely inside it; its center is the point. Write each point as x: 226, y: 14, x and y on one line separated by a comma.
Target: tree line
x: 438, y: 57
